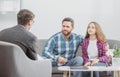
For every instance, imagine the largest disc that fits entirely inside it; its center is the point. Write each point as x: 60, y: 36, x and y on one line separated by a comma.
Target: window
x: 7, y: 6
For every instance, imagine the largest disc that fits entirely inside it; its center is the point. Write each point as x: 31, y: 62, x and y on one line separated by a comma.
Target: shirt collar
x: 70, y: 38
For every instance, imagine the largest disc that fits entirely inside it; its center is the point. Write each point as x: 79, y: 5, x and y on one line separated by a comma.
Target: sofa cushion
x: 112, y: 43
x: 41, y: 45
x: 56, y: 71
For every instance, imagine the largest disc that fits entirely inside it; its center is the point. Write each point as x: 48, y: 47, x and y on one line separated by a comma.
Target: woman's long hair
x: 99, y: 33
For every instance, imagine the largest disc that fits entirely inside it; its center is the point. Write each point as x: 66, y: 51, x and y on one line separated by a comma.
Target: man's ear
x: 72, y: 27
x: 30, y: 22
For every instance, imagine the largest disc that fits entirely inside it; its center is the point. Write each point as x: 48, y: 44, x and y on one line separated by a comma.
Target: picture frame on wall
x: 9, y: 6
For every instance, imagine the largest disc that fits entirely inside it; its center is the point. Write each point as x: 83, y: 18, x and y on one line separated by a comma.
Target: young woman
x: 94, y: 47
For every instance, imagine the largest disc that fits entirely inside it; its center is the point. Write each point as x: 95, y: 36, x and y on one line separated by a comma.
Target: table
x: 90, y: 68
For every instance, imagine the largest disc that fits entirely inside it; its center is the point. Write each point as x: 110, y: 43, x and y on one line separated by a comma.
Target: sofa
x: 14, y: 63
x: 57, y: 73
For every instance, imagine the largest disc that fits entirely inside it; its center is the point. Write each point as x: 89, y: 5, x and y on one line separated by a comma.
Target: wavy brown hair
x: 99, y: 33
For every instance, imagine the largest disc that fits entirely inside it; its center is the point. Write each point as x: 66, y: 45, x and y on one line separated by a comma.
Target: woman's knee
x: 100, y: 64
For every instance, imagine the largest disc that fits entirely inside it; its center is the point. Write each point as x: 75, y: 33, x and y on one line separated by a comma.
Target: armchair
x: 14, y: 63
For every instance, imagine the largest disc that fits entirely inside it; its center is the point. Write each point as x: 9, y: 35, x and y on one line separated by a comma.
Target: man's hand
x: 62, y: 60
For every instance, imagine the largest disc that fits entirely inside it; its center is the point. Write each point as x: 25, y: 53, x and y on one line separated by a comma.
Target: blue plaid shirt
x: 57, y: 46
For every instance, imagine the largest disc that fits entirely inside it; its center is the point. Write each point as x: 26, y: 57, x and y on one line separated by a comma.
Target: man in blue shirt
x: 62, y: 46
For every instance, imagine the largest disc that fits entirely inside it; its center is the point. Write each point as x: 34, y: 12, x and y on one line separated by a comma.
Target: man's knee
x: 79, y: 60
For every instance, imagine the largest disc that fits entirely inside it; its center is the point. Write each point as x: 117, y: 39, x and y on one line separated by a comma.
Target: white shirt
x: 92, y: 49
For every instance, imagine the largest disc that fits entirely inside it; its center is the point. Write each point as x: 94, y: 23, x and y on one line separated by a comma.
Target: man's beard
x: 66, y: 33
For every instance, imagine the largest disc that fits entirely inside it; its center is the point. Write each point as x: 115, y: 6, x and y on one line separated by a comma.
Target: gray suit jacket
x: 23, y: 38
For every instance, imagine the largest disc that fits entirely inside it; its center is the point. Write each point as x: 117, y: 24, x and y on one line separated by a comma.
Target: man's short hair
x: 24, y: 16
x: 69, y: 20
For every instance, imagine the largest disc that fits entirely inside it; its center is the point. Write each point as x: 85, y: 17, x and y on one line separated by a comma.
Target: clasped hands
x: 91, y: 63
x: 62, y: 60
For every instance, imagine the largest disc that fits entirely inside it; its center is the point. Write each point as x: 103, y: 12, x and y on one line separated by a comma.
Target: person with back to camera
x: 20, y: 34
x: 62, y: 46
x: 94, y: 47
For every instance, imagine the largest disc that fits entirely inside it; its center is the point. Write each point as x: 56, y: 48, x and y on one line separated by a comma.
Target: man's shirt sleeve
x: 48, y: 50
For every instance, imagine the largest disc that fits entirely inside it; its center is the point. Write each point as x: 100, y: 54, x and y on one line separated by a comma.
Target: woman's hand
x: 87, y: 64
x: 95, y: 61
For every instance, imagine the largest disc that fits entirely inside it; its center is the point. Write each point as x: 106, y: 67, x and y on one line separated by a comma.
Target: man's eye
x: 67, y: 27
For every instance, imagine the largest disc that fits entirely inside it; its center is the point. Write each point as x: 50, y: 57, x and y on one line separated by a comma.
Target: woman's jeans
x: 96, y: 73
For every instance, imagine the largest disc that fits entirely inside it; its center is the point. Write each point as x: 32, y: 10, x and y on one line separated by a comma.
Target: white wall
x: 49, y: 14
x: 7, y: 20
